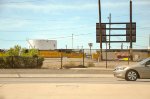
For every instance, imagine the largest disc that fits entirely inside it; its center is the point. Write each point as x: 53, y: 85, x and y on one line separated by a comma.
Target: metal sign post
x: 90, y: 45
x: 130, y: 29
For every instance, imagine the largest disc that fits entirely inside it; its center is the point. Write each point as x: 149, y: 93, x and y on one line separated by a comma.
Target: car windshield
x: 142, y: 62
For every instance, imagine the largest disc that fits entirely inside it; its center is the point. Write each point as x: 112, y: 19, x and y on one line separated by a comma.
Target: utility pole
x: 131, y: 57
x: 106, y: 52
x: 72, y: 41
x: 100, y: 30
x: 109, y: 27
x: 121, y: 45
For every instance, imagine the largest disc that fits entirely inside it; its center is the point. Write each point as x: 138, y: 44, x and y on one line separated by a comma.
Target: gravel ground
x: 55, y: 63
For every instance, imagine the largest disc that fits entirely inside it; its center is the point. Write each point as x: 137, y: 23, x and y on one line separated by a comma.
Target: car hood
x: 128, y: 66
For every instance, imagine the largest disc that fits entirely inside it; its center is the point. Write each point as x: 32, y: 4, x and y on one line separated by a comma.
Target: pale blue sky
x: 59, y: 19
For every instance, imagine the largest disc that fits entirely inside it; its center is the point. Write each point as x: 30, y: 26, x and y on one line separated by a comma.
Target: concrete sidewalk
x: 75, y: 72
x: 55, y: 75
x: 58, y: 71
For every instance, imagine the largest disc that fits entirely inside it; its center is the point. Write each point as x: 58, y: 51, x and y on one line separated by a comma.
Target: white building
x: 42, y: 44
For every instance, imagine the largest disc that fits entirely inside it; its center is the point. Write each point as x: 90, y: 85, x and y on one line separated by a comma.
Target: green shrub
x: 21, y: 62
x: 2, y: 63
x: 18, y: 57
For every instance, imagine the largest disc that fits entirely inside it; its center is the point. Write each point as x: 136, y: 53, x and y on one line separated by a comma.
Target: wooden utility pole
x: 109, y: 28
x: 131, y: 57
x: 121, y: 46
x: 106, y: 53
x: 100, y: 30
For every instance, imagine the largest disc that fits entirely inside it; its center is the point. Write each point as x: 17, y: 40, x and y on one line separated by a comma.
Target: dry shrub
x: 72, y: 65
x: 90, y: 64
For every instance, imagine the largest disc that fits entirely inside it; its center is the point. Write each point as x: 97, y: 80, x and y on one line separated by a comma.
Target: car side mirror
x: 147, y: 65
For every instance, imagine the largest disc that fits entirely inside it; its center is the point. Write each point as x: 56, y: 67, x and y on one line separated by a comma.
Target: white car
x: 141, y: 70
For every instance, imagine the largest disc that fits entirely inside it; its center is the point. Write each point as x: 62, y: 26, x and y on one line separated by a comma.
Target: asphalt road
x: 87, y: 80
x: 69, y: 84
x: 73, y: 88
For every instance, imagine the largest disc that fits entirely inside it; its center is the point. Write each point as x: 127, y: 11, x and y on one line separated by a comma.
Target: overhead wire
x: 71, y: 36
x: 11, y: 40
x: 48, y: 38
x: 14, y: 2
x: 139, y: 45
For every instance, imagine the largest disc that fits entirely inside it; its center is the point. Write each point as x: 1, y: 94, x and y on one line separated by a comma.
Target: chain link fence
x: 83, y: 58
x: 73, y: 58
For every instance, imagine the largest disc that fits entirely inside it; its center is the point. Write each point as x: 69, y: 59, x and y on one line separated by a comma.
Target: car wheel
x: 131, y: 75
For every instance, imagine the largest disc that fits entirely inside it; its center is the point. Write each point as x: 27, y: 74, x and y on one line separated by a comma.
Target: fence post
x: 83, y: 57
x: 37, y: 61
x: 12, y: 61
x: 128, y: 56
x: 61, y: 60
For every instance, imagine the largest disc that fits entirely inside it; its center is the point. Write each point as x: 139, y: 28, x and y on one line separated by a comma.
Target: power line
x: 11, y: 40
x: 139, y: 45
x: 43, y: 29
x: 61, y: 37
x: 32, y: 19
x: 26, y: 1
x: 83, y: 34
x: 70, y: 36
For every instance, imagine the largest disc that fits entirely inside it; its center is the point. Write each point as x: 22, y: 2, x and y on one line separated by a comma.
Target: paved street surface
x: 73, y: 88
x: 69, y: 84
x: 108, y: 79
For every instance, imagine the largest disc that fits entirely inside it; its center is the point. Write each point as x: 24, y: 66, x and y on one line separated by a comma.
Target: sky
x: 21, y: 20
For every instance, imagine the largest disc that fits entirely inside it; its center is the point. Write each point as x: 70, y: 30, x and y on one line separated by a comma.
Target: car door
x: 147, y: 70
